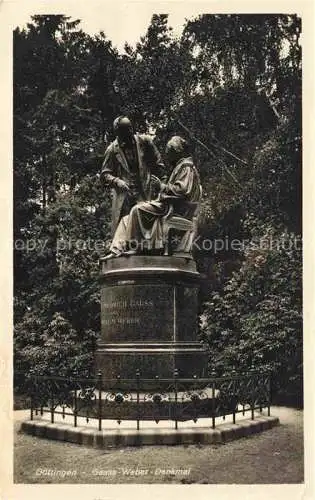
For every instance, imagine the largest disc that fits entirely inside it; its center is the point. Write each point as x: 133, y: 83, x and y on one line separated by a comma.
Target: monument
x: 149, y: 281
x: 149, y: 362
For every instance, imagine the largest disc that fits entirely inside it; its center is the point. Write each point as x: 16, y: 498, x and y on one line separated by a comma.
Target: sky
x: 127, y: 20
x: 122, y: 25
x: 121, y: 21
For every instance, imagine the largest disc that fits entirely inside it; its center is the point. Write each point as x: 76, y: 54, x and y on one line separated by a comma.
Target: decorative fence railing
x: 177, y: 399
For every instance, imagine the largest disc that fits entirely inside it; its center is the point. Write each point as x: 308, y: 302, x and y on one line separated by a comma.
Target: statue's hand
x: 163, y: 187
x: 156, y: 182
x: 123, y: 186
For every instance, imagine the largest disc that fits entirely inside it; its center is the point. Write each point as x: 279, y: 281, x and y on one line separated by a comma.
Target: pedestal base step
x: 158, y: 435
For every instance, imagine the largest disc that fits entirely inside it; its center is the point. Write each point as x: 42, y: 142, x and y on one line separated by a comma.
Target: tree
x: 239, y: 105
x: 256, y: 321
x: 57, y: 150
x: 150, y: 76
x: 63, y: 278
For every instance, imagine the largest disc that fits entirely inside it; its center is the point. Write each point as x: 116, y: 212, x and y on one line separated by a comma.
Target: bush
x: 256, y: 321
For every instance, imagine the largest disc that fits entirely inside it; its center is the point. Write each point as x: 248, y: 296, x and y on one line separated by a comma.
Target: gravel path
x: 274, y: 456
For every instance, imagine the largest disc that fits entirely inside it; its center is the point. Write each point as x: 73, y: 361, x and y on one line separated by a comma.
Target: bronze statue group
x: 145, y: 203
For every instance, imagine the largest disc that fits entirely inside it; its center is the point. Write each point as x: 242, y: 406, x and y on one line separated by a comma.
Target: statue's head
x: 176, y: 149
x: 123, y: 129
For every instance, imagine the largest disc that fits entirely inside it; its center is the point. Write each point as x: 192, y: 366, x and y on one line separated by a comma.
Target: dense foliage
x: 235, y: 82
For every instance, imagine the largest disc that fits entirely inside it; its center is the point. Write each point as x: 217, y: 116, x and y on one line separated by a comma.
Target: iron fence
x: 175, y: 398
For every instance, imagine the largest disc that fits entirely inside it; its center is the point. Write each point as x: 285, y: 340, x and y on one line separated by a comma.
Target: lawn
x: 274, y: 456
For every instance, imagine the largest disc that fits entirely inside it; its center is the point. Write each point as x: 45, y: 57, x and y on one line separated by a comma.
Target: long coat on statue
x: 144, y: 222
x: 115, y: 167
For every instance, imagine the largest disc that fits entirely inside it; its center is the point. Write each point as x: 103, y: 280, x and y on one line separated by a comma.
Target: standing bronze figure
x: 130, y: 160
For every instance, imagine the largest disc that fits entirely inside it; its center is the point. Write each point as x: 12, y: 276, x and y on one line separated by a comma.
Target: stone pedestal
x: 149, y: 322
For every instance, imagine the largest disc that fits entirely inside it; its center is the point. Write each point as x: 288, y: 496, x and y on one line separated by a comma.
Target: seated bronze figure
x: 147, y: 226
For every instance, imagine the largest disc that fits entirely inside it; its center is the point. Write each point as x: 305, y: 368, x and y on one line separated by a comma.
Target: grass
x: 274, y: 456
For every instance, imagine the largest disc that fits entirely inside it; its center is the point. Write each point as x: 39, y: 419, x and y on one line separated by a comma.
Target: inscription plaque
x: 137, y: 312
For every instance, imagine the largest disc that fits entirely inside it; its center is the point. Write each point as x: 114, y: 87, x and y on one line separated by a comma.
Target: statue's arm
x: 181, y: 186
x: 109, y: 169
x: 109, y: 172
x: 158, y: 167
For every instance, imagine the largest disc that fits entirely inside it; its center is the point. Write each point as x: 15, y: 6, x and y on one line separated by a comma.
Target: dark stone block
x: 134, y: 312
x: 87, y: 438
x: 40, y: 430
x: 187, y: 308
x: 149, y: 311
x: 157, y: 361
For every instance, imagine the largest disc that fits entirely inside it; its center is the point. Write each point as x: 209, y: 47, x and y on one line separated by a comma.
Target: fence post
x: 261, y: 385
x: 233, y: 392
x: 52, y: 404
x: 176, y: 395
x: 243, y: 381
x: 252, y: 385
x: 138, y: 398
x: 32, y: 396
x: 195, y: 401
x: 213, y: 374
x: 269, y: 392
x: 75, y: 409
x: 224, y: 402
x: 35, y: 408
x: 99, y: 387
